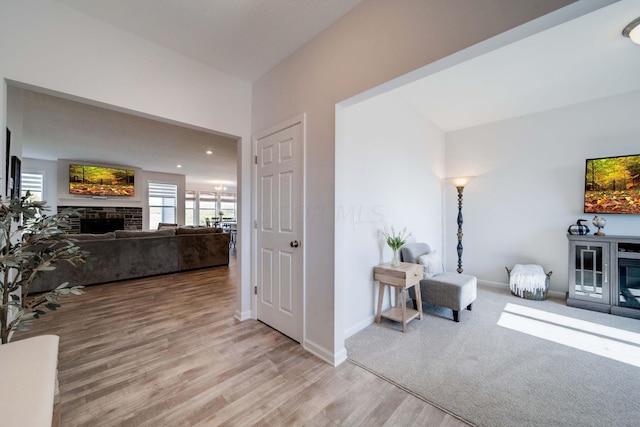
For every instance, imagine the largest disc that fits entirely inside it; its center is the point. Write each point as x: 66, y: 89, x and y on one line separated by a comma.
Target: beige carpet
x: 492, y: 374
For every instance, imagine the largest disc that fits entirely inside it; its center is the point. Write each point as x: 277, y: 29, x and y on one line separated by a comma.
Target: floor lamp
x: 460, y: 182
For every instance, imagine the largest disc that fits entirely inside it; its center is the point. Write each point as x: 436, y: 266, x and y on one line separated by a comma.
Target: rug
x: 513, y: 362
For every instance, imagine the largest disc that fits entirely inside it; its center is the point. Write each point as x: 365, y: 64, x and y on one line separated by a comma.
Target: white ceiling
x: 581, y: 60
x: 244, y: 38
x: 56, y: 128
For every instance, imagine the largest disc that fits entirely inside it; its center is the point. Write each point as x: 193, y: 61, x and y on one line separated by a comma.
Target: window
x: 228, y: 206
x: 207, y: 206
x: 203, y: 205
x: 162, y: 204
x: 190, y: 207
x: 34, y: 183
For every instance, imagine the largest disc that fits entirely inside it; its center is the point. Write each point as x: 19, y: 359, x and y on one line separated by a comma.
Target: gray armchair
x: 450, y: 290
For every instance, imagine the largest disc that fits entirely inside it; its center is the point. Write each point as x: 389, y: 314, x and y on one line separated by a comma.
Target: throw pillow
x: 132, y: 234
x: 198, y: 230
x: 432, y: 264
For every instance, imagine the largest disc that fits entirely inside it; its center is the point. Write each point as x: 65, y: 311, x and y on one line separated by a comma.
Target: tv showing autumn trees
x: 612, y: 185
x: 100, y: 181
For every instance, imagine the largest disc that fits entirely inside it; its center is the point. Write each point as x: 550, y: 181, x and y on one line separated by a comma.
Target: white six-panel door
x: 280, y: 217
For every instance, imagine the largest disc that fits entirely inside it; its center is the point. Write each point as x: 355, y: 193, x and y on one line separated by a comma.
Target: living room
x: 118, y: 73
x: 197, y: 166
x: 517, y: 208
x: 527, y: 158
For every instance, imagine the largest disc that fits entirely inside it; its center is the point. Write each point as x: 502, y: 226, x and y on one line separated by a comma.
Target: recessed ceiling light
x: 209, y: 152
x: 178, y: 166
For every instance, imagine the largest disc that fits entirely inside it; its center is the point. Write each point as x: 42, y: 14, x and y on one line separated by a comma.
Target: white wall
x: 529, y: 185
x: 376, y: 41
x: 391, y: 163
x: 48, y: 46
x: 56, y: 192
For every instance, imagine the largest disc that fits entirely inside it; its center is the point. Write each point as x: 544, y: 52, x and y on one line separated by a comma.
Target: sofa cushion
x: 128, y: 234
x: 165, y: 225
x: 198, y: 230
x: 89, y: 236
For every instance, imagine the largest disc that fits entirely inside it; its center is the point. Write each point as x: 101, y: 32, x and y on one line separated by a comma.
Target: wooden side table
x: 400, y: 278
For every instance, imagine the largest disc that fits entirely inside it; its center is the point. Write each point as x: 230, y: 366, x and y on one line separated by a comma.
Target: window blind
x: 157, y: 189
x: 32, y: 182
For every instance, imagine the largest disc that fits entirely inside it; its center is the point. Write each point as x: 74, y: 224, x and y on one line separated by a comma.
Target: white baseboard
x: 359, y: 326
x: 554, y: 294
x: 334, y: 359
x: 493, y: 284
x: 243, y: 315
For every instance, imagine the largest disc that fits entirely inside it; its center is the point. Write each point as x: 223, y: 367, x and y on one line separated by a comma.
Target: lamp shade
x: 633, y: 31
x: 460, y: 181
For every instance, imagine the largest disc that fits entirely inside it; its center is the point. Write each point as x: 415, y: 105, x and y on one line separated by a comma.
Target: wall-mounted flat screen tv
x: 90, y: 180
x: 612, y: 185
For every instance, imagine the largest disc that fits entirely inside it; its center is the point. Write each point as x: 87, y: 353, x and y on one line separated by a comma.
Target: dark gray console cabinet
x: 604, y: 274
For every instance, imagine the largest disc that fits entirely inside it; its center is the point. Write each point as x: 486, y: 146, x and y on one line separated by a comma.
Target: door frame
x: 302, y: 120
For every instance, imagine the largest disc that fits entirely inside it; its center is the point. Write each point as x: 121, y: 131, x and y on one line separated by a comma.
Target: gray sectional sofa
x: 125, y: 254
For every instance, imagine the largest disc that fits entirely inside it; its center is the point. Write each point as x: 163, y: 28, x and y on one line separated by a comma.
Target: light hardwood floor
x: 166, y: 351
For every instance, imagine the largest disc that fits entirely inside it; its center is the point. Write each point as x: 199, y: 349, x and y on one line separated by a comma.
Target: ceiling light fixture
x: 633, y: 31
x: 209, y: 152
x: 178, y: 166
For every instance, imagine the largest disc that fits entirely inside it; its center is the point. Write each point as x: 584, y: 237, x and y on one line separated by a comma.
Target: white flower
x: 395, y: 240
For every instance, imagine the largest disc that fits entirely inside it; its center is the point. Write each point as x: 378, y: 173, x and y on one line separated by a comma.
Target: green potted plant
x: 31, y: 244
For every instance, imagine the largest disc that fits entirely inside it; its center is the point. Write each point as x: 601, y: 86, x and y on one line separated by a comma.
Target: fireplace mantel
x: 96, y: 201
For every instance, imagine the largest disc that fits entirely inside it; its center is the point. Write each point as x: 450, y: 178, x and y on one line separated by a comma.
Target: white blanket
x: 527, y: 277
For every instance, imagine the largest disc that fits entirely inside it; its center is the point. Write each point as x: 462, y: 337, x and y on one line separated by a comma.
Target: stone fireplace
x: 107, y: 218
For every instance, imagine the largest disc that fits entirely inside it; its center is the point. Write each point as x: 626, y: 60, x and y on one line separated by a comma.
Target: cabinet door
x: 590, y: 275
